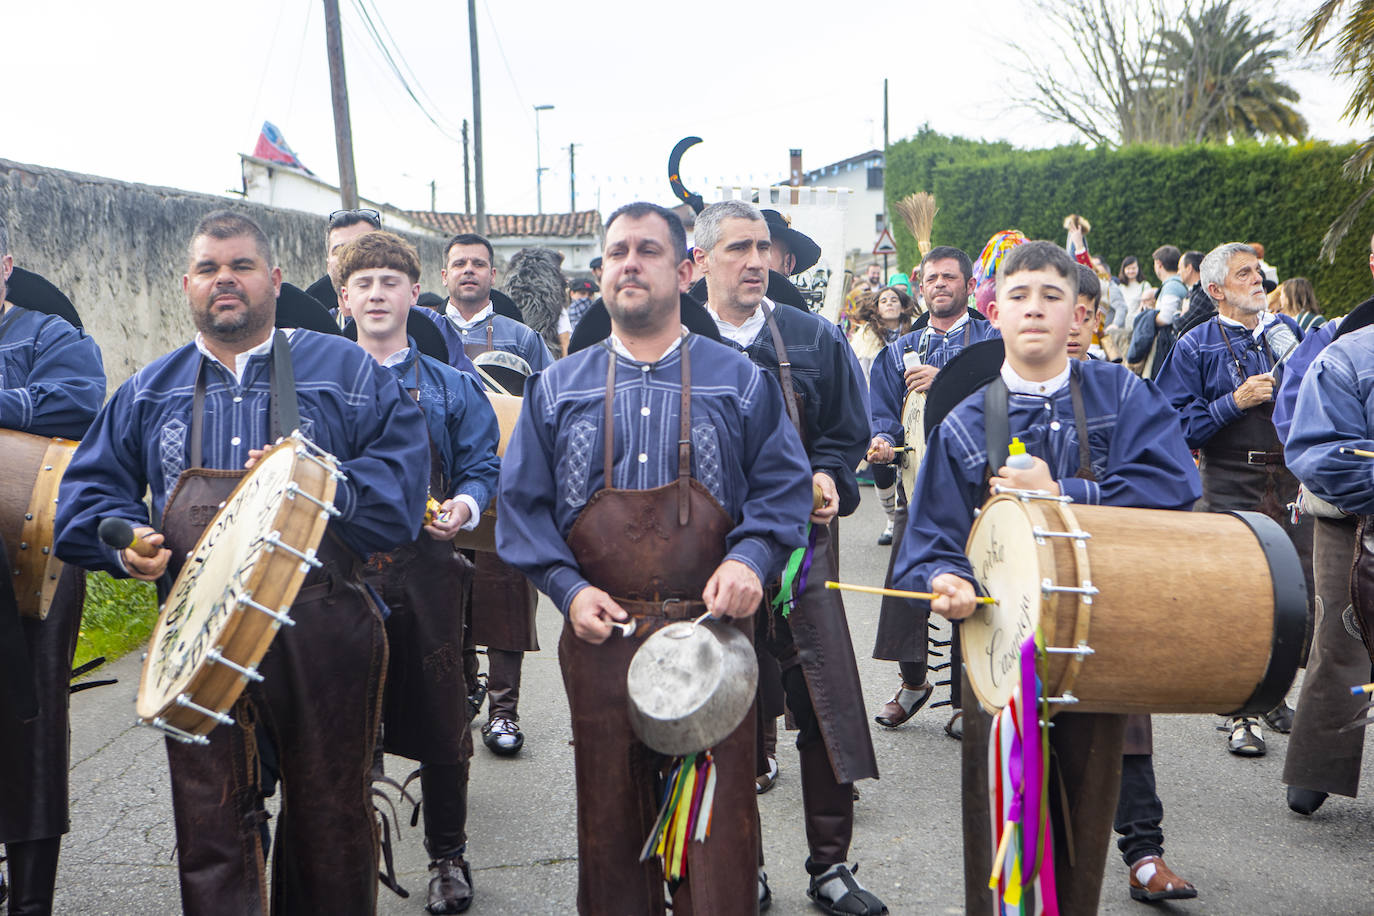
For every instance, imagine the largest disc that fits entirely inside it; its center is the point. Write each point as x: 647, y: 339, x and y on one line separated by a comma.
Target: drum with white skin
x: 236, y: 591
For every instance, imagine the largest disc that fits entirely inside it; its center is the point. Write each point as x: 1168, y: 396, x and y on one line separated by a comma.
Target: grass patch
x: 118, y: 617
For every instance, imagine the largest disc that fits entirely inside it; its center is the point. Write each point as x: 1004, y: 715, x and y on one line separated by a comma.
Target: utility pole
x: 885, y: 140
x: 343, y: 129
x: 467, y: 176
x: 539, y: 169
x: 572, y: 178
x: 477, y: 118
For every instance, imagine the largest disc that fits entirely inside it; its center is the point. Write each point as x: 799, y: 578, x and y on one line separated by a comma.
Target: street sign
x: 885, y: 244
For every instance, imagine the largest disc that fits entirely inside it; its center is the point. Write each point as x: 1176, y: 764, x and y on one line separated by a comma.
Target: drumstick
x: 817, y: 497
x: 119, y: 534
x: 896, y: 592
x: 1357, y: 452
x: 1363, y: 688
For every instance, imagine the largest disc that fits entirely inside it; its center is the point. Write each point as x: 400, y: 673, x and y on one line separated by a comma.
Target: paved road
x: 1227, y: 827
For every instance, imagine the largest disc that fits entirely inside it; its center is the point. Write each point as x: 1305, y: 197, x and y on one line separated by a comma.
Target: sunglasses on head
x: 367, y: 215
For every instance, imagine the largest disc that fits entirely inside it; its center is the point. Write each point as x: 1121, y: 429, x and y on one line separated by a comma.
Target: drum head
x: 231, y: 564
x: 502, y: 372
x: 913, y: 423
x: 1007, y: 563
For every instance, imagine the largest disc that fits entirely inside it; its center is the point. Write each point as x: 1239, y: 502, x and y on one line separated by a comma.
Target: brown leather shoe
x: 1152, y: 880
x: 905, y: 703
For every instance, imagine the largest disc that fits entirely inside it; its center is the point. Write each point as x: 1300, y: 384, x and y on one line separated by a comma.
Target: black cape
x: 36, y: 293
x: 595, y: 325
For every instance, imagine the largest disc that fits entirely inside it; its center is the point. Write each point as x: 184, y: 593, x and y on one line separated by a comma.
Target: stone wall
x: 119, y: 251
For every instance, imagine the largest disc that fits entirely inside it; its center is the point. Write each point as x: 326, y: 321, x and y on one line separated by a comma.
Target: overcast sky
x: 169, y: 91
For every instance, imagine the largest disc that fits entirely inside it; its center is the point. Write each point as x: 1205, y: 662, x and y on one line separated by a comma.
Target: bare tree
x: 1122, y: 72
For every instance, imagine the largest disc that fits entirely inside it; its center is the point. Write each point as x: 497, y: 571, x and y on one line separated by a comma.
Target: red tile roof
x: 586, y: 223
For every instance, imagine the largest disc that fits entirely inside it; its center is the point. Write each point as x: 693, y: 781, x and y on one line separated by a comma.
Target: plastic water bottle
x: 910, y: 360
x: 1017, y: 457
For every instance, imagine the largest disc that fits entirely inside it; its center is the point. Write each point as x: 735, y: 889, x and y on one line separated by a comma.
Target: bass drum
x: 483, y: 537
x: 28, y: 503
x: 1172, y: 629
x: 914, y: 425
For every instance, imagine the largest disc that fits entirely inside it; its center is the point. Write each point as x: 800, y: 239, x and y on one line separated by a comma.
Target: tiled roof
x: 586, y: 223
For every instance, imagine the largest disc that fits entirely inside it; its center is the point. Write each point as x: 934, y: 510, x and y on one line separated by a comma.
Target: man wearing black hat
x: 793, y: 252
x: 582, y: 295
x: 51, y: 384
x: 595, y: 265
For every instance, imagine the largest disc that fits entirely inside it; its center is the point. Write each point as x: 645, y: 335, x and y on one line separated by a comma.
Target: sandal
x: 903, y: 705
x: 1152, y: 881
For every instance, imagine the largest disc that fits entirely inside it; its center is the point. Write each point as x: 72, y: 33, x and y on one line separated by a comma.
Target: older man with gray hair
x: 1221, y: 378
x: 823, y: 392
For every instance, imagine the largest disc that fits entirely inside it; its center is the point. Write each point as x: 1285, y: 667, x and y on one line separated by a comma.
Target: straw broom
x: 918, y: 212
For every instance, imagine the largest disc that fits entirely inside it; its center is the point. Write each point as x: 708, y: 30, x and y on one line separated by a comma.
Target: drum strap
x: 285, y: 412
x: 789, y: 399
x: 997, y: 425
x: 684, y: 439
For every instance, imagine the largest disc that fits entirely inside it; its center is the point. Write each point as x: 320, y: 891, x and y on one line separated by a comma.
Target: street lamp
x: 538, y: 167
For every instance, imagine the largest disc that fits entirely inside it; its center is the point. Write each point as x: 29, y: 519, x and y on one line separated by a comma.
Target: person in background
x: 885, y: 319
x: 1132, y: 287
x: 1298, y: 300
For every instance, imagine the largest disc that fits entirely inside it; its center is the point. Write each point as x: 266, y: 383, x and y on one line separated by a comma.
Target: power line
x: 396, y: 70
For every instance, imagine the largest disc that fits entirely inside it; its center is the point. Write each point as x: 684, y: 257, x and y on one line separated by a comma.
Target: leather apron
x: 820, y: 631
x: 317, y: 708
x: 501, y: 615
x: 1085, y: 748
x: 653, y: 551
x: 424, y: 585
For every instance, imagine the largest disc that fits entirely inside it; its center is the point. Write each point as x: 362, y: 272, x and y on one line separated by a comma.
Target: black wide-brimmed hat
x: 298, y: 309
x: 595, y: 325
x: 805, y: 251
x: 36, y: 293
x: 969, y: 370
x: 429, y: 340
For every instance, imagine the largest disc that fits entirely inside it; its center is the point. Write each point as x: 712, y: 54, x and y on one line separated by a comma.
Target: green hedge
x: 1139, y: 198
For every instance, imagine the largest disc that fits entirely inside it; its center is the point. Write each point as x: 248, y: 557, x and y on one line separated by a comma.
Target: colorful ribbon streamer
x: 1018, y: 752
x: 685, y: 816
x: 795, y: 573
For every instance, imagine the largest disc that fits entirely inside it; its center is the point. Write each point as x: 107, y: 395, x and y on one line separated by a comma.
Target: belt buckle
x: 1255, y: 457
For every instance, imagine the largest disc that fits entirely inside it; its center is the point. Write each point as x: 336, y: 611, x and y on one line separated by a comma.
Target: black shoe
x: 1280, y: 718
x: 765, y: 893
x: 955, y: 726
x: 886, y: 537
x: 502, y: 736
x: 450, y: 890
x: 837, y: 891
x: 1246, y: 738
x: 478, y: 696
x: 1305, y: 801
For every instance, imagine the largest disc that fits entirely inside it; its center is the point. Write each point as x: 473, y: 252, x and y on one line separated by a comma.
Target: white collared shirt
x: 620, y: 350
x: 397, y: 358
x: 464, y: 324
x: 1018, y: 385
x: 742, y: 334
x: 241, y: 360
x: 1265, y: 319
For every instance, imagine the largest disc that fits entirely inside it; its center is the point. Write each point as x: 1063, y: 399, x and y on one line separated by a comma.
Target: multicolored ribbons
x: 795, y: 573
x: 1018, y: 766
x: 688, y: 800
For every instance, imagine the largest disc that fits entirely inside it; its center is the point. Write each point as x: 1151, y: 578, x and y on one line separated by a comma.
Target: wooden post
x: 343, y: 129
x: 477, y: 119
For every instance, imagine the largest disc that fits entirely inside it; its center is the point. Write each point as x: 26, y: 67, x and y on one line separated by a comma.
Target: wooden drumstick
x: 896, y: 592
x: 817, y: 497
x: 119, y: 534
x: 1357, y: 452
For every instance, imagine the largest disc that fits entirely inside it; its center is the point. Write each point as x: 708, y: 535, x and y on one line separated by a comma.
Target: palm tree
x: 1223, y: 82
x: 1354, y: 45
